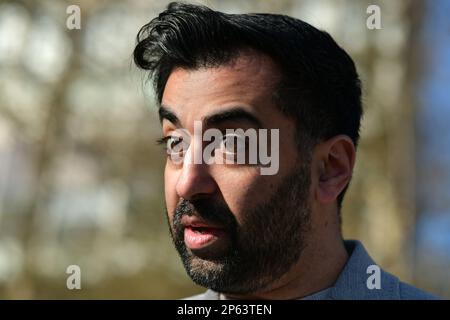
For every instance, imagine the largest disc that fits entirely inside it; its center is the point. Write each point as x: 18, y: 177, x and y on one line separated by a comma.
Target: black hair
x: 319, y: 88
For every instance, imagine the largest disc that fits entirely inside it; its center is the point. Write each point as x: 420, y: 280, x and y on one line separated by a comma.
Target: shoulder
x: 408, y: 292
x: 363, y: 279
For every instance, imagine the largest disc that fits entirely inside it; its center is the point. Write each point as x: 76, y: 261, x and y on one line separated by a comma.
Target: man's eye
x: 175, y: 145
x: 232, y: 144
x: 172, y: 144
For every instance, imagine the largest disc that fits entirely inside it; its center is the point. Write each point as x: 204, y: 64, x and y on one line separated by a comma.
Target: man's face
x: 235, y: 229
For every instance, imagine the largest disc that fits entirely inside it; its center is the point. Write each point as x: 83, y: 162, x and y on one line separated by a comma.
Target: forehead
x: 248, y: 81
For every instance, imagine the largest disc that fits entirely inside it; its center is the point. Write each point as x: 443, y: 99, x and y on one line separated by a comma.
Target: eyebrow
x: 165, y: 113
x: 236, y: 113
x: 233, y: 114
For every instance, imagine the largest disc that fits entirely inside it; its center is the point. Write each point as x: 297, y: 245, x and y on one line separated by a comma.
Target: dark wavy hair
x: 319, y: 88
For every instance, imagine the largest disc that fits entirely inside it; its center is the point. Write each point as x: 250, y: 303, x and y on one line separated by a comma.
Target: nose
x: 195, y: 180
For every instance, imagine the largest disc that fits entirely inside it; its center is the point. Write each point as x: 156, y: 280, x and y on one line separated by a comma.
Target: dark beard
x: 265, y: 246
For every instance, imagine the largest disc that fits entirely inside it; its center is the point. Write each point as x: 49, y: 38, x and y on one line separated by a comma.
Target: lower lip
x: 196, y: 240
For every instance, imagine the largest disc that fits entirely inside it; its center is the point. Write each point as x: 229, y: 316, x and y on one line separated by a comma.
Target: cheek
x: 242, y: 189
x: 171, y: 198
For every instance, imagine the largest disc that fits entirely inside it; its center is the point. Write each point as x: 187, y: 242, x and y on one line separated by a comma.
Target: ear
x: 335, y: 160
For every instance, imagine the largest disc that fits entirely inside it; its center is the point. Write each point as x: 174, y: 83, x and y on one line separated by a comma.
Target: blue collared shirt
x: 352, y: 282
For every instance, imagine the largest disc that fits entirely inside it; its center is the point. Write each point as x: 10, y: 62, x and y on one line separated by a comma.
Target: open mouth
x: 201, y: 230
x: 205, y: 239
x: 199, y: 237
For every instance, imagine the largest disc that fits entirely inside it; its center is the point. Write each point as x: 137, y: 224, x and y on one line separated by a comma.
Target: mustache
x: 211, y: 210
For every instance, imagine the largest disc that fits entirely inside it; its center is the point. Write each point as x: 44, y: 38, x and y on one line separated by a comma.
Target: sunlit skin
x: 249, y: 83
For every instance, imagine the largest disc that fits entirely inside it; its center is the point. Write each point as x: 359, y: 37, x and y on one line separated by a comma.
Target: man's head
x: 235, y: 229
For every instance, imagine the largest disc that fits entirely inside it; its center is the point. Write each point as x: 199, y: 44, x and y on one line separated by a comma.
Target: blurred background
x: 81, y: 177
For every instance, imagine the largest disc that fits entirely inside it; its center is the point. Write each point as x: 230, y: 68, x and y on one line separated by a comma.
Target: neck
x: 318, y: 268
